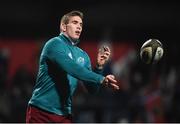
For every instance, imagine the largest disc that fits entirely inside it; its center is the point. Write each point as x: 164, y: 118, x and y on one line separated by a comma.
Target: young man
x: 61, y: 65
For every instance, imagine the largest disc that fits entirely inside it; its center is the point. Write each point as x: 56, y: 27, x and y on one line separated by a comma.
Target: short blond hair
x: 65, y: 19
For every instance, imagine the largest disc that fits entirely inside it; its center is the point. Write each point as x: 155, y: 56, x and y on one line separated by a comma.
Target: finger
x: 104, y: 57
x: 107, y: 53
x: 112, y: 76
x: 112, y: 80
x: 114, y: 86
x: 106, y: 48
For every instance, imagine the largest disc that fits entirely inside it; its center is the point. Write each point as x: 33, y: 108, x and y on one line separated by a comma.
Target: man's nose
x: 79, y: 27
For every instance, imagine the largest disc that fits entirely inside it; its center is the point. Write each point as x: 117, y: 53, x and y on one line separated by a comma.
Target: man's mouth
x: 77, y: 32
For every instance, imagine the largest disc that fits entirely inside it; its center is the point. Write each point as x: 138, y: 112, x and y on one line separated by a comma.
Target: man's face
x: 73, y: 28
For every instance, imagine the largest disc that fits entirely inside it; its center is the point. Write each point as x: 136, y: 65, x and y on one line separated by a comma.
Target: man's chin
x: 76, y: 38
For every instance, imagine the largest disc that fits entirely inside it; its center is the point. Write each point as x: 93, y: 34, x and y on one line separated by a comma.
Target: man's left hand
x: 103, y: 56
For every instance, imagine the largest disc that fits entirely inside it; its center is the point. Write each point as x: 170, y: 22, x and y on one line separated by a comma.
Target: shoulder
x: 54, y: 43
x: 53, y: 46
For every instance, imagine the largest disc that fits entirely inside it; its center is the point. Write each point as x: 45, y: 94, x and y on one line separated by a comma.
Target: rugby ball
x: 151, y: 51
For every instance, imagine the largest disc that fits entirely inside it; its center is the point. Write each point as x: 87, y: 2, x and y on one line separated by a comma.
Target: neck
x: 73, y: 42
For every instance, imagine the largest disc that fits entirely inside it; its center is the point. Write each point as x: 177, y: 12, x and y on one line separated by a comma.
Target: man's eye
x: 74, y: 22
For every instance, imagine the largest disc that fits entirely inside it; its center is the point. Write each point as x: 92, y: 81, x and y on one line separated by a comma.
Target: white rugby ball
x: 151, y: 51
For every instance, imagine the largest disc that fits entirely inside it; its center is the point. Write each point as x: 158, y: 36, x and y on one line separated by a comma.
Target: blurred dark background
x: 149, y: 93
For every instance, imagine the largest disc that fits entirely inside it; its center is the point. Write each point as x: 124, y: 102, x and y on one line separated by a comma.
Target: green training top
x: 61, y: 64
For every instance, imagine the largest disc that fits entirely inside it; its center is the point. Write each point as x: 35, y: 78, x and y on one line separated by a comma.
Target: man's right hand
x: 110, y: 81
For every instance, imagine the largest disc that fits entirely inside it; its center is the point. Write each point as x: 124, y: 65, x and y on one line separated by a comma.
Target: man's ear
x: 63, y: 27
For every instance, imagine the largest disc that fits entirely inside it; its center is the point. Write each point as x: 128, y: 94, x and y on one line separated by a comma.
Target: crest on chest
x: 80, y: 60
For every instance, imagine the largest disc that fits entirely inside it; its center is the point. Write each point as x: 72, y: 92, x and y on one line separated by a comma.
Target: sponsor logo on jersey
x: 70, y: 55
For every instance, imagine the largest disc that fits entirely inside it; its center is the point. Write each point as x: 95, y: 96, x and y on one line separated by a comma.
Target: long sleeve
x: 56, y: 51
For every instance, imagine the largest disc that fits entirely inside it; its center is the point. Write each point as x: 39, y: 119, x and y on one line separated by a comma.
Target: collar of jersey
x: 72, y: 42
